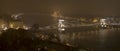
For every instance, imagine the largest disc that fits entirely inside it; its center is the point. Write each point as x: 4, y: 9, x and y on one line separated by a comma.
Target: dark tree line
x: 24, y: 40
x: 14, y: 40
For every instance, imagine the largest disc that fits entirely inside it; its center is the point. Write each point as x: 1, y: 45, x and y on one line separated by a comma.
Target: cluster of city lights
x: 61, y: 25
x: 103, y: 23
x: 4, y: 27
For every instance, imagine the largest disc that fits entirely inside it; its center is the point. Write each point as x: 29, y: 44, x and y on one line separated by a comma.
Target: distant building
x: 7, y: 21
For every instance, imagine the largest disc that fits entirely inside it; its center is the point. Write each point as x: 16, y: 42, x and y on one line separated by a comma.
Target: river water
x: 97, y: 40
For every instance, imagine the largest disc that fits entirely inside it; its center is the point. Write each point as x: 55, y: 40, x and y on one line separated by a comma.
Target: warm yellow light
x: 25, y: 27
x: 95, y: 20
x: 56, y: 14
x: 18, y: 27
x: 5, y: 28
x: 11, y: 26
x: 3, y: 25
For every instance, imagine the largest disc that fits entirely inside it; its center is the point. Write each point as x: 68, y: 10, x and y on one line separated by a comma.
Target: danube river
x: 96, y: 40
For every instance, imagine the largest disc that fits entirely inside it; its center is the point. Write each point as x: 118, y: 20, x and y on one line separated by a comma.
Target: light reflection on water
x: 76, y: 37
x: 97, y: 39
x: 103, y: 34
x: 102, y: 39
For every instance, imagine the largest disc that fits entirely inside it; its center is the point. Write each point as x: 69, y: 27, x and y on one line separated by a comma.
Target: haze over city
x: 43, y: 8
x: 59, y: 25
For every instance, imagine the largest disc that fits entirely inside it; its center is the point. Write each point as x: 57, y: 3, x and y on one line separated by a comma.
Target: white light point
x: 5, y: 28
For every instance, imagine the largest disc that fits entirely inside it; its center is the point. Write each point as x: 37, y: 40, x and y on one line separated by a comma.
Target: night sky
x: 38, y: 11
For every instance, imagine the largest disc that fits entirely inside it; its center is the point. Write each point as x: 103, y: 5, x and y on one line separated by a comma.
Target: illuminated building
x: 61, y: 25
x: 103, y: 23
x: 12, y: 22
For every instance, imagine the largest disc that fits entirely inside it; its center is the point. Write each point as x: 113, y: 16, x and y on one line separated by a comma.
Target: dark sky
x: 38, y: 11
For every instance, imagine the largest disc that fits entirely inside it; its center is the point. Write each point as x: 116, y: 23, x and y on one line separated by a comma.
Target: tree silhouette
x: 23, y: 40
x: 14, y: 40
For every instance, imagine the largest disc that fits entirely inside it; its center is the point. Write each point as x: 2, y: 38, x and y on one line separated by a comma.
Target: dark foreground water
x: 97, y: 40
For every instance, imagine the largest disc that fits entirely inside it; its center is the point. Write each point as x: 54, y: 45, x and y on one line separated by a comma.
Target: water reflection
x: 99, y: 40
x: 102, y: 39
